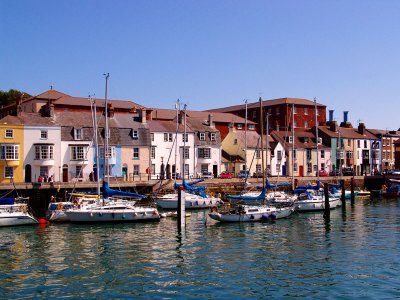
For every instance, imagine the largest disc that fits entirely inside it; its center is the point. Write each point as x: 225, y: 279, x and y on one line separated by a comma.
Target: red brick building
x: 280, y: 113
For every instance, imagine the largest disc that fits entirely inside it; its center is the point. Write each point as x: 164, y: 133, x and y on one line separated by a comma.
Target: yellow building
x: 11, y: 156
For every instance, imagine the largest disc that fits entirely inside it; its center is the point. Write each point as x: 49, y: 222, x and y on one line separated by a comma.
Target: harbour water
x: 354, y: 255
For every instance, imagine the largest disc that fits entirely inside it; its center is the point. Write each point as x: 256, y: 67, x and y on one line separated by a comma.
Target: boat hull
x: 16, y: 218
x: 113, y: 215
x: 316, y: 205
x: 170, y: 201
x: 253, y: 214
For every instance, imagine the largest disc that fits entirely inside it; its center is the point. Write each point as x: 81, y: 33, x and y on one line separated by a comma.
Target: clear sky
x: 210, y: 54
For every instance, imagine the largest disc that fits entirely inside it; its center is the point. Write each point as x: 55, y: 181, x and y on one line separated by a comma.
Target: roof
x: 299, y: 139
x: 217, y: 117
x: 280, y: 101
x: 349, y: 133
x: 29, y: 119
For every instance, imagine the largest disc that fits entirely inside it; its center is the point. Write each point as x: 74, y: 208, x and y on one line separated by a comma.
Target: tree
x: 10, y: 97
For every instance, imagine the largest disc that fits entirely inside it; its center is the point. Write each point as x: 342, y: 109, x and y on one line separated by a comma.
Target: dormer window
x: 252, y: 127
x: 290, y: 138
x: 43, y: 134
x: 135, y: 134
x: 213, y: 136
x: 306, y: 140
x: 319, y: 140
x: 9, y: 134
x: 305, y: 111
x: 239, y: 126
x: 78, y: 134
x: 202, y: 136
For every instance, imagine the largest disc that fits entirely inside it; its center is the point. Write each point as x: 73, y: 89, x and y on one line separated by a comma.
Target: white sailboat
x: 195, y: 197
x: 108, y: 210
x: 251, y: 213
x: 15, y: 211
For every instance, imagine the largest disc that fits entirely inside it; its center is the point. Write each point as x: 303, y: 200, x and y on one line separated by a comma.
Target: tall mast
x: 316, y: 134
x: 266, y: 143
x: 177, y: 107
x: 93, y: 106
x: 245, y: 137
x: 184, y: 143
x: 262, y: 143
x: 293, y: 146
x: 106, y: 166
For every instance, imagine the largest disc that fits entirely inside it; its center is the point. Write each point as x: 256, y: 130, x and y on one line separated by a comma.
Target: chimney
x: 149, y: 115
x: 346, y: 122
x: 19, y: 105
x: 143, y: 113
x: 210, y: 120
x: 51, y: 110
x: 331, y: 115
x: 333, y: 126
x: 345, y: 116
x: 361, y: 128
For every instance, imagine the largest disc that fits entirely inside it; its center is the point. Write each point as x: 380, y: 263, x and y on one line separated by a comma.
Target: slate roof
x: 299, y: 136
x: 347, y: 133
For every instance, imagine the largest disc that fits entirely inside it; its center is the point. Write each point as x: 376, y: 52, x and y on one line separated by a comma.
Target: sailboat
x: 251, y: 213
x: 111, y: 210
x: 15, y: 211
x: 312, y: 197
x: 195, y: 196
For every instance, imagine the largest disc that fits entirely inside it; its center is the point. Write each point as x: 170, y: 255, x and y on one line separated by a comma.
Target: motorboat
x: 314, y: 200
x: 15, y: 211
x: 192, y: 201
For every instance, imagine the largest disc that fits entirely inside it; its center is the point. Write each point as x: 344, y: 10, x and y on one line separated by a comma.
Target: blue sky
x: 209, y: 53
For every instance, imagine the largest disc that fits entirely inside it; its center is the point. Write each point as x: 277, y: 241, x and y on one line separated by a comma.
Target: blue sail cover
x: 108, y: 192
x: 335, y: 187
x: 177, y: 185
x: 7, y: 201
x: 248, y: 198
x: 198, y: 190
x: 276, y: 185
x: 302, y: 189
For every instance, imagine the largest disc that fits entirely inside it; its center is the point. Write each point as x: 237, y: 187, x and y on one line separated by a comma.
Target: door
x: 28, y: 173
x: 301, y: 171
x: 283, y: 170
x: 215, y: 171
x: 65, y: 173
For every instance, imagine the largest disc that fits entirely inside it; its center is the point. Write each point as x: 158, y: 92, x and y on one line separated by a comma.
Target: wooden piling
x: 343, y: 196
x: 352, y: 190
x: 181, y: 220
x: 327, y: 208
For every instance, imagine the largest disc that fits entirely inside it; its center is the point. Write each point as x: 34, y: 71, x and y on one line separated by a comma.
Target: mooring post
x: 343, y: 196
x: 327, y: 210
x: 352, y: 190
x: 181, y: 210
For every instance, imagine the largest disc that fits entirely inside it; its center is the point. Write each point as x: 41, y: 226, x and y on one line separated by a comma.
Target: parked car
x: 258, y: 174
x: 348, y: 171
x: 323, y: 173
x: 335, y: 172
x: 244, y: 174
x: 393, y: 172
x: 225, y: 175
x: 207, y: 175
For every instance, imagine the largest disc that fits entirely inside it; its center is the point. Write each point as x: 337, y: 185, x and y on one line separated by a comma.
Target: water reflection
x: 306, y: 255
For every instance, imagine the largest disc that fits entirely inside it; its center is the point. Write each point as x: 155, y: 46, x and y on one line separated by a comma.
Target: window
x: 315, y: 168
x: 305, y: 111
x: 135, y: 134
x: 167, y: 137
x: 365, y: 144
x: 44, y: 152
x: 185, y: 138
x: 279, y: 154
x: 78, y: 172
x: 358, y: 143
x: 43, y: 134
x: 294, y: 153
x: 186, y: 171
x: 278, y: 168
x: 322, y: 153
x: 78, y: 153
x: 322, y: 166
x: 78, y: 134
x: 202, y: 136
x: 213, y: 136
x: 319, y: 140
x: 341, y: 154
x: 204, y: 153
x: 9, y: 134
x: 254, y: 114
x: 153, y: 169
x: 111, y: 152
x: 349, y: 154
x: 309, y: 167
x: 290, y: 138
x: 308, y: 153
x: 204, y: 168
x: 277, y: 112
x: 8, y: 172
x: 9, y: 152
x: 186, y: 153
x: 348, y: 142
x: 152, y: 136
x: 295, y: 167
x: 135, y: 153
x: 135, y: 170
x: 239, y: 126
x: 258, y: 154
x: 305, y: 124
x: 252, y: 127
x: 258, y: 168
x: 153, y: 152
x: 294, y: 110
x: 43, y: 171
x: 295, y: 123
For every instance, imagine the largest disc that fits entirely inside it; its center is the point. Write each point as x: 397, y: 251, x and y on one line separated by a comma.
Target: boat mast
x: 184, y: 143
x: 93, y: 105
x: 266, y: 143
x: 293, y: 146
x: 177, y: 108
x: 316, y: 134
x: 262, y: 142
x: 245, y: 137
x: 106, y: 166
